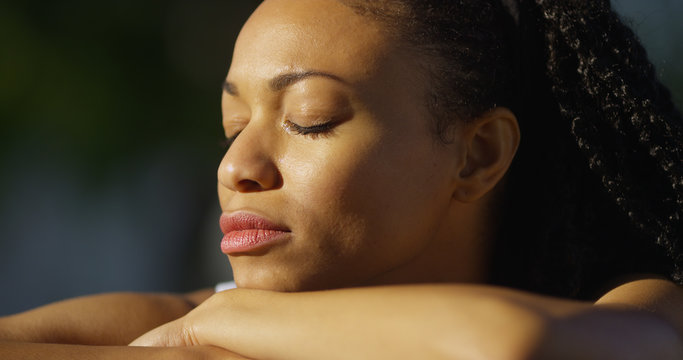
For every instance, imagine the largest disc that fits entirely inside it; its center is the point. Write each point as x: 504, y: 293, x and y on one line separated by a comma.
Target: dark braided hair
x: 596, y: 190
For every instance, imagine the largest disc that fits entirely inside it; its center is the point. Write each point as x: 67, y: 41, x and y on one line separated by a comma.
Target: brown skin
x: 108, y: 319
x: 435, y: 322
x: 99, y: 327
x: 412, y: 211
x: 376, y: 199
x: 14, y: 350
x: 383, y: 157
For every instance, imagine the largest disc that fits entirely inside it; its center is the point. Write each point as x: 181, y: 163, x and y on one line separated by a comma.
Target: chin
x: 267, y: 280
x: 282, y: 280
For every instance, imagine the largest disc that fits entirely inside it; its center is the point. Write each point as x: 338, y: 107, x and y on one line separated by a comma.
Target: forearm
x: 395, y: 322
x: 405, y: 322
x: 611, y: 333
x: 14, y: 350
x: 410, y: 322
x: 429, y: 322
x: 110, y: 319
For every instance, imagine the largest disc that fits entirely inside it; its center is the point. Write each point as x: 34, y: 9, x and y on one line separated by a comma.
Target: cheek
x: 325, y: 182
x: 367, y: 194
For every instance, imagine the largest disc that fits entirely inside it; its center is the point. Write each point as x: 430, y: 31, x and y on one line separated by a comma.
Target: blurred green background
x: 111, y: 138
x: 109, y: 146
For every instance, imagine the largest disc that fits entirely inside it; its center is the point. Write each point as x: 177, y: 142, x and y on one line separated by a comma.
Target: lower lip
x: 243, y: 241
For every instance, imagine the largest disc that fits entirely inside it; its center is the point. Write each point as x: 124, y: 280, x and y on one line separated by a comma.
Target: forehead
x: 321, y: 35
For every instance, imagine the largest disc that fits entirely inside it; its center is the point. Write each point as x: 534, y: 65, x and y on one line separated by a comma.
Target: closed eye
x: 311, y: 131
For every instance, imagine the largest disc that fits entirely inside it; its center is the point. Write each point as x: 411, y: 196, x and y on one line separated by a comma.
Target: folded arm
x: 435, y: 322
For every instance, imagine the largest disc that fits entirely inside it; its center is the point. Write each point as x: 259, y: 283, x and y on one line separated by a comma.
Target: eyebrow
x: 283, y: 81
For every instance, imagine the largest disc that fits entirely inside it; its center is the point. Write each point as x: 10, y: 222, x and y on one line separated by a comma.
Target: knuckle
x: 188, y: 337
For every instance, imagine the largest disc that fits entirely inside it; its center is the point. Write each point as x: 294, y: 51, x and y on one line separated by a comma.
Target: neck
x: 457, y: 253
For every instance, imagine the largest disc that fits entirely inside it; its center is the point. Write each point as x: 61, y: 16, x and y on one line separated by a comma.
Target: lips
x: 246, y: 232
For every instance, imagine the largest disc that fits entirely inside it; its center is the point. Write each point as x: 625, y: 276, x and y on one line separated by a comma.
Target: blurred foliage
x: 99, y: 82
x: 109, y: 143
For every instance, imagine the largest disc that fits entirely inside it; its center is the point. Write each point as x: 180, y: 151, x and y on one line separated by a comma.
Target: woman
x: 371, y: 143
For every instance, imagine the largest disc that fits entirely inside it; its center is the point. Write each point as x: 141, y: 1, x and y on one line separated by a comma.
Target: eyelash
x: 314, y: 131
x: 324, y: 129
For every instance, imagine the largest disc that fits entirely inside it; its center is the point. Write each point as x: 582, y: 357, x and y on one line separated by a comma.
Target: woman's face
x: 335, y: 178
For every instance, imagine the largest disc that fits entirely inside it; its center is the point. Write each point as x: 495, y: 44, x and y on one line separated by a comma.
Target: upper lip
x: 242, y: 220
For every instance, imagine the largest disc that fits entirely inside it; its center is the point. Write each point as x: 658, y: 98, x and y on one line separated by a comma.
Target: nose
x: 248, y: 165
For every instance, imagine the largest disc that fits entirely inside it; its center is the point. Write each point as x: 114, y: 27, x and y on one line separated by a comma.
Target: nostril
x: 248, y: 186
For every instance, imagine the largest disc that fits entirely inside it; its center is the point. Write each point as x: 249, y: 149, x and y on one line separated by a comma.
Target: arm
x: 109, y: 319
x: 640, y: 319
x: 101, y: 319
x: 432, y: 322
x: 12, y: 350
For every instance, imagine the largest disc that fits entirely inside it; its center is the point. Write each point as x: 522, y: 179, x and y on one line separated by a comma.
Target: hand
x: 190, y: 330
x: 226, y: 320
x: 179, y: 332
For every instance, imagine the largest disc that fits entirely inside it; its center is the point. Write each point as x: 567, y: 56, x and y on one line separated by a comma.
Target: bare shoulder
x: 649, y: 293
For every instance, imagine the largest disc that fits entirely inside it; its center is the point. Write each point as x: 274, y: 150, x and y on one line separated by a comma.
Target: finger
x: 150, y: 338
x: 170, y: 334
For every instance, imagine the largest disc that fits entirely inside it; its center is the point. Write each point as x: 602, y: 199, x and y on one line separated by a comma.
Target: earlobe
x: 490, y: 143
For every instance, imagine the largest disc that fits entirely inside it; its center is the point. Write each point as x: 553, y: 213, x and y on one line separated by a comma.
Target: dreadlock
x: 596, y: 190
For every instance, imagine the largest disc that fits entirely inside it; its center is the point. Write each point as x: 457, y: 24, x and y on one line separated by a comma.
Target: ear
x: 490, y: 143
